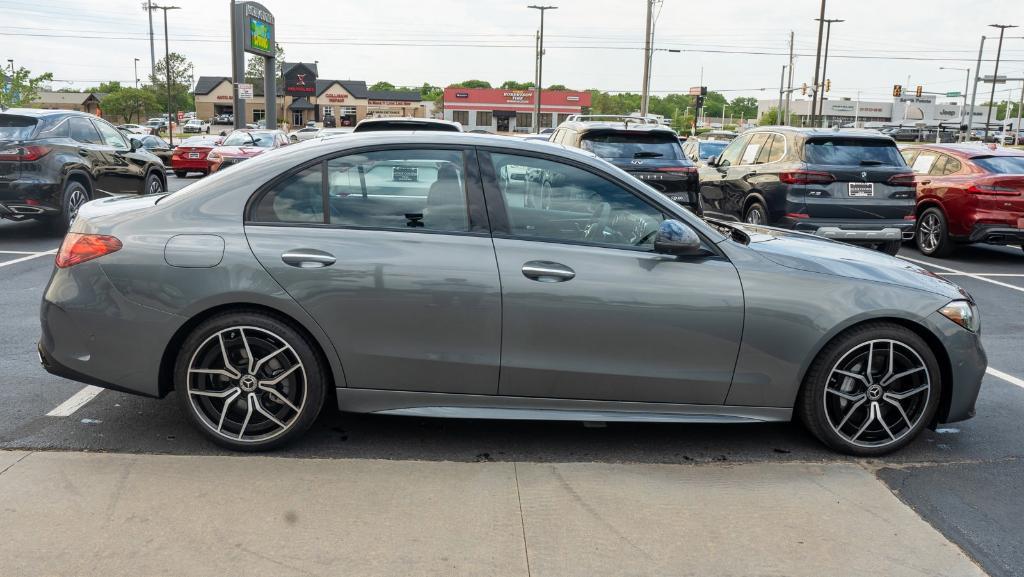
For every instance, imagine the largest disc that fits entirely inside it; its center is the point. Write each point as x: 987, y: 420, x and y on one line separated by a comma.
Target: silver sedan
x: 464, y: 275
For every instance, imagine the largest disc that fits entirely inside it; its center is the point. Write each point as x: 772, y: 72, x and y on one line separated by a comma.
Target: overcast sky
x: 590, y: 43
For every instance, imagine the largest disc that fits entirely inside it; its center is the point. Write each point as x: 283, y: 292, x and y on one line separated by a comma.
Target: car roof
x: 966, y: 150
x: 408, y: 120
x: 808, y: 133
x: 44, y: 112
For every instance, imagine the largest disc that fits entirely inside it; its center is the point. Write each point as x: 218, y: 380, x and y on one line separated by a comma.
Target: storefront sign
x: 336, y: 97
x: 300, y: 81
x: 516, y: 97
x: 390, y: 103
x: 223, y: 97
x: 461, y: 95
x: 258, y: 30
x: 245, y: 91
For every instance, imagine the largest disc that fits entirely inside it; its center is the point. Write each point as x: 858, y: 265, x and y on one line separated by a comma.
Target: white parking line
x: 1009, y: 274
x: 19, y: 251
x: 962, y: 273
x: 77, y: 401
x: 29, y: 257
x: 1008, y: 378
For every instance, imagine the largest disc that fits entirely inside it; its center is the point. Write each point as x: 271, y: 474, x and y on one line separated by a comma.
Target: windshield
x: 16, y: 127
x: 712, y: 148
x: 261, y: 139
x: 1001, y: 164
x: 633, y: 145
x: 852, y: 152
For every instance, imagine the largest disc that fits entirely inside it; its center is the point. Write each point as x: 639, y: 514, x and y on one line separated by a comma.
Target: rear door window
x: 83, y: 131
x: 661, y: 145
x: 16, y: 127
x: 847, y: 151
x: 924, y: 161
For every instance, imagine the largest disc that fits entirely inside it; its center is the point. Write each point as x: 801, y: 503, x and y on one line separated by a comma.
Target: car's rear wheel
x: 933, y: 234
x: 756, y: 214
x: 891, y: 247
x: 75, y: 195
x: 249, y: 381
x: 871, y: 391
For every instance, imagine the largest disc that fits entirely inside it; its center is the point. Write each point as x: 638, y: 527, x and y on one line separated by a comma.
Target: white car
x: 196, y: 125
x: 135, y: 129
x: 303, y: 134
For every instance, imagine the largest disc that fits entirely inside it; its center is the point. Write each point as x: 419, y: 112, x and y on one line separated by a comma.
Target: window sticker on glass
x: 750, y: 153
x: 404, y: 174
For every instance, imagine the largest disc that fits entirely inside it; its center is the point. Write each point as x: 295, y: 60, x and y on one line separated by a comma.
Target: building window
x: 461, y: 116
x: 524, y: 119
x: 258, y: 114
x: 483, y: 118
x: 562, y: 118
x: 348, y: 110
x: 328, y: 111
x: 545, y: 120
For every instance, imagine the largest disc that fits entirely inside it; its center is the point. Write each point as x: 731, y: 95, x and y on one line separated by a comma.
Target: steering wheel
x: 602, y: 217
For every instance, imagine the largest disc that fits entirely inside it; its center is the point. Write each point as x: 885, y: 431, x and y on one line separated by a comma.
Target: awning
x: 301, y: 104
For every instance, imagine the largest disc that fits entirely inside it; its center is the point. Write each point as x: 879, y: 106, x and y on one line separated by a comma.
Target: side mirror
x: 713, y: 161
x: 675, y: 238
x: 135, y: 144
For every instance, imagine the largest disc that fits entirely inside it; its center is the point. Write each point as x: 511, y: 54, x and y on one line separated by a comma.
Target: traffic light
x: 919, y: 91
x: 897, y: 90
x: 698, y: 102
x: 803, y: 90
x: 828, y: 85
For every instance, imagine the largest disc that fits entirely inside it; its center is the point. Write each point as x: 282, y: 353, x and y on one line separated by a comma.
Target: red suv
x: 967, y: 193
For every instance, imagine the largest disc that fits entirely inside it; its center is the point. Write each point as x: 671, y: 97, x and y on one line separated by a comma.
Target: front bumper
x: 967, y: 364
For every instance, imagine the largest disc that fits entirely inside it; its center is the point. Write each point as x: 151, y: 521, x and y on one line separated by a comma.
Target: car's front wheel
x: 933, y: 234
x: 871, y: 390
x: 249, y: 381
x: 153, y: 184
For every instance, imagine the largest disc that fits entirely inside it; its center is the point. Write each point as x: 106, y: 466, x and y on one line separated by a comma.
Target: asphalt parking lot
x: 964, y: 479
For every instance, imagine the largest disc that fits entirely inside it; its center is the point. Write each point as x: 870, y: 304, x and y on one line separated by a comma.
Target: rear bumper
x: 996, y: 234
x: 856, y: 230
x: 185, y: 164
x: 26, y: 198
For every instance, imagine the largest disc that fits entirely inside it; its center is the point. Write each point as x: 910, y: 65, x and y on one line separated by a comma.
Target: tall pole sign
x: 252, y: 31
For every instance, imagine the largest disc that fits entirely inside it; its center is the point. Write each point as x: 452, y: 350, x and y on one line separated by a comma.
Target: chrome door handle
x: 547, y: 271
x: 308, y: 258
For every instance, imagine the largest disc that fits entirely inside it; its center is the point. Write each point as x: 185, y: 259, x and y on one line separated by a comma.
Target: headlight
x: 963, y: 313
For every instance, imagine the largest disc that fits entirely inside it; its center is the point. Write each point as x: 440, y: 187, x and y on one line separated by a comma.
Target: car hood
x: 240, y: 151
x: 820, y: 255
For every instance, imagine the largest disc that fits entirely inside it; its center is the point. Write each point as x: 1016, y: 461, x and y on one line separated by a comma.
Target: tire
x: 841, y: 410
x: 891, y: 247
x: 180, y: 173
x: 153, y: 184
x: 214, y: 401
x: 932, y: 234
x: 757, y: 211
x: 75, y: 195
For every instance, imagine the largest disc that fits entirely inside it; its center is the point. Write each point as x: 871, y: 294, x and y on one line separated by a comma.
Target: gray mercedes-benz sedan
x: 464, y: 275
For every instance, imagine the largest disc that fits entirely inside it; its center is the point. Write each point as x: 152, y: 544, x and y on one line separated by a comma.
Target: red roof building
x: 498, y: 110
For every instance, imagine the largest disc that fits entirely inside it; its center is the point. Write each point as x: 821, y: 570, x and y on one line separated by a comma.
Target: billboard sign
x: 300, y: 81
x: 257, y: 30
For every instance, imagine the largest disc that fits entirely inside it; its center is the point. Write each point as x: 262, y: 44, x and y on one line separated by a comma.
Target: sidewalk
x: 147, y: 515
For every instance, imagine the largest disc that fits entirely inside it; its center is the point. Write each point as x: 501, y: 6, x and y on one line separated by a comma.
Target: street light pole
x: 995, y: 75
x: 967, y: 84
x: 540, y: 65
x: 167, y: 70
x: 136, y: 73
x: 817, y: 63
x: 824, y: 64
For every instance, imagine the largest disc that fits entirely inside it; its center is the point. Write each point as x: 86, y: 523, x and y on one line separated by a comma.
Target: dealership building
x: 498, y: 110
x: 348, y: 101
x: 905, y: 110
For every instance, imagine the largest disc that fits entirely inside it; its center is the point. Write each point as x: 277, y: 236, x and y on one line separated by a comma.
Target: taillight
x: 25, y: 153
x: 994, y: 188
x: 902, y: 179
x: 78, y: 248
x: 806, y: 177
x: 692, y: 169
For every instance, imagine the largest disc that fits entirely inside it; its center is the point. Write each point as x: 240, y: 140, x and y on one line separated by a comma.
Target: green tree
x: 771, y: 118
x: 513, y: 85
x: 382, y: 85
x: 557, y: 87
x: 743, y: 107
x: 181, y: 83
x: 254, y: 67
x: 714, y: 104
x: 430, y: 92
x: 106, y: 87
x: 129, y: 103
x: 24, y: 88
x: 471, y: 84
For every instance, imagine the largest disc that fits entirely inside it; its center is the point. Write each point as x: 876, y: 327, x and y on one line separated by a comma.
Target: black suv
x: 53, y: 161
x: 850, y: 185
x: 648, y: 150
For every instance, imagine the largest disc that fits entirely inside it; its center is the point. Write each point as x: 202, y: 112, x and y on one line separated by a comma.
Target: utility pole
x: 167, y: 70
x: 148, y: 7
x: 647, y: 58
x: 974, y: 93
x: 782, y: 88
x: 817, y: 63
x: 995, y: 75
x: 540, y: 65
x: 824, y: 64
x: 784, y: 119
x: 136, y: 73
x: 967, y: 86
x: 1020, y: 105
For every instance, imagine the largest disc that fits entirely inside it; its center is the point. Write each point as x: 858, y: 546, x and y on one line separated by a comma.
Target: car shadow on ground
x: 27, y: 231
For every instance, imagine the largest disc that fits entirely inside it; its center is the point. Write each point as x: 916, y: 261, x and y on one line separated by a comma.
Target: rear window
x: 633, y: 145
x: 16, y: 127
x: 1001, y: 164
x: 399, y: 125
x: 852, y: 152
